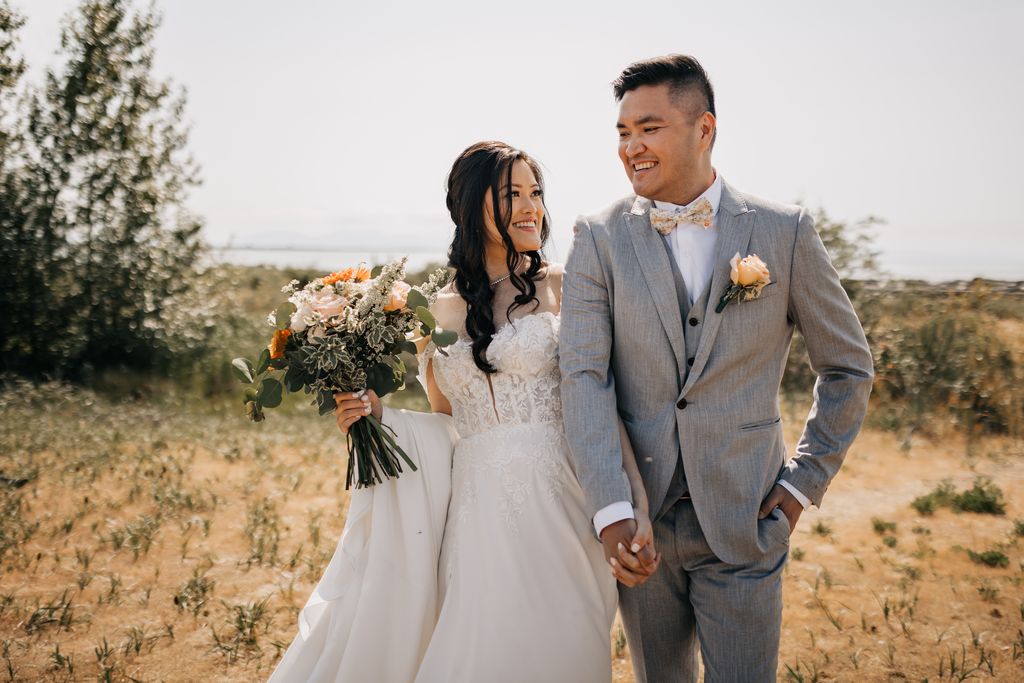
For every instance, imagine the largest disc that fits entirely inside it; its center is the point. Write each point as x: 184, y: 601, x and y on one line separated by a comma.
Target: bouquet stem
x: 373, y: 453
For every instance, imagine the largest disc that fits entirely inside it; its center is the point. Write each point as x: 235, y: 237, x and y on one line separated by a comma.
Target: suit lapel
x: 657, y: 271
x: 735, y: 224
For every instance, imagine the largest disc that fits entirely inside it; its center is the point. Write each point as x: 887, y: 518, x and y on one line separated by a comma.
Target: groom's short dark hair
x: 682, y: 73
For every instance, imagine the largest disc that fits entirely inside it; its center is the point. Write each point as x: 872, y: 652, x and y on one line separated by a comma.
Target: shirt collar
x: 713, y: 194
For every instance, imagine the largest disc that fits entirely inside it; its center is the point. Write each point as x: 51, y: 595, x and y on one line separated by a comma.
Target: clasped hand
x: 629, y: 549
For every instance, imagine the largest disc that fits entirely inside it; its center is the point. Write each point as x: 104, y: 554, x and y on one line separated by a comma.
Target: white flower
x: 303, y: 315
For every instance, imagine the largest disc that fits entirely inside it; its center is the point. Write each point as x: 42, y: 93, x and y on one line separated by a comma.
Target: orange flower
x: 360, y: 274
x: 340, y: 276
x: 278, y: 343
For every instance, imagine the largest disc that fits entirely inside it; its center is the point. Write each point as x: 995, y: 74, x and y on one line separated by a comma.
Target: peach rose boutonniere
x: 749, y: 276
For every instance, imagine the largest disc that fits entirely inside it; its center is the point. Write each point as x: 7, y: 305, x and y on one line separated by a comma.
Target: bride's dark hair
x: 483, y: 166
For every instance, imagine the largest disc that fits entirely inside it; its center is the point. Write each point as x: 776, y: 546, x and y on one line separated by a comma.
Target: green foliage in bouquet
x: 346, y: 332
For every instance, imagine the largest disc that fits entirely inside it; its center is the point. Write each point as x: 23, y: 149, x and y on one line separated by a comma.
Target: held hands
x: 629, y: 549
x: 780, y: 497
x: 350, y: 407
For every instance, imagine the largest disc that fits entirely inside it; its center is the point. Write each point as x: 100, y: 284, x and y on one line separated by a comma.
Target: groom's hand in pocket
x: 780, y: 497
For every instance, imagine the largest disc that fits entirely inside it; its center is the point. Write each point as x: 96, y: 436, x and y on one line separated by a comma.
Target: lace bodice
x: 525, y: 388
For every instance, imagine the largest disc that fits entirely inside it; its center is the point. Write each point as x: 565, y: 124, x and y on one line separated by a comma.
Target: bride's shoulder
x: 449, y: 307
x: 553, y: 272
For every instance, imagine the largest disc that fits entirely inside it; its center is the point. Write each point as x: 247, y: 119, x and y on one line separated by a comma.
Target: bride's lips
x: 526, y: 226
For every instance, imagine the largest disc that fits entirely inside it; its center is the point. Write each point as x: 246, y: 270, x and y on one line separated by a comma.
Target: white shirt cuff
x: 616, y: 512
x: 804, y: 500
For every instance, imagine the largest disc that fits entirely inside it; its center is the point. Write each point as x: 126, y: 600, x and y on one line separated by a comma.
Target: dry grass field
x: 147, y: 540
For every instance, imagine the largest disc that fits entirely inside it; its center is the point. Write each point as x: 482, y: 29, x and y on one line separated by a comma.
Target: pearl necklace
x: 501, y: 279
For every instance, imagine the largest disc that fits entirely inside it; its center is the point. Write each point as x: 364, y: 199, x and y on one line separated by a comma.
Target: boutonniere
x: 749, y: 276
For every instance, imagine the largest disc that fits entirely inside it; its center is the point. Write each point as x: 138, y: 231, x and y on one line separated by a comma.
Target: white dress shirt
x: 693, y: 247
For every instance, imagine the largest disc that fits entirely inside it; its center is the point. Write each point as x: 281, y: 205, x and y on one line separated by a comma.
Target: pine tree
x: 110, y: 248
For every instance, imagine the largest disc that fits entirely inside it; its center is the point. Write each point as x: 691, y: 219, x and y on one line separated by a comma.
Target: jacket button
x: 681, y: 404
x: 689, y: 361
x: 694, y: 322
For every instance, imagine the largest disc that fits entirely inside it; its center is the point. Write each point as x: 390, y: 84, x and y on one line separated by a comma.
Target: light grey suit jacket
x: 622, y: 352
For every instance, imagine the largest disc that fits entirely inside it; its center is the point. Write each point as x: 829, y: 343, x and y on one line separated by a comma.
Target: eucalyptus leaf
x: 376, y: 270
x: 242, y: 367
x: 283, y: 315
x: 416, y: 300
x: 294, y: 379
x: 426, y: 317
x: 408, y: 346
x: 442, y: 338
x: 248, y: 395
x: 264, y: 362
x: 269, y: 394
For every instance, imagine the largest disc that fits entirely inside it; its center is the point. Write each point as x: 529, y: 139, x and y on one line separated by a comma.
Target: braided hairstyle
x: 481, y: 167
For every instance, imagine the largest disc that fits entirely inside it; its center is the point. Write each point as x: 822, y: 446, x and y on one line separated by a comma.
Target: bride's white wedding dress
x: 522, y: 589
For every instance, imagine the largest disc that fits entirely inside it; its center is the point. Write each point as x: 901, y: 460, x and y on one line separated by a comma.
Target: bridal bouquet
x: 346, y: 332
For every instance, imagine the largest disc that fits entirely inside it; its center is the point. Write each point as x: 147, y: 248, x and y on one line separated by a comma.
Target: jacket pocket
x: 761, y: 424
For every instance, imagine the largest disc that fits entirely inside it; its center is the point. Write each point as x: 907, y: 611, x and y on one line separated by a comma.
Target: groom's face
x: 661, y: 142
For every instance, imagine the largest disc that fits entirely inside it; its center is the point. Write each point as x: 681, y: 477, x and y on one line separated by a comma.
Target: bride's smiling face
x: 527, y: 211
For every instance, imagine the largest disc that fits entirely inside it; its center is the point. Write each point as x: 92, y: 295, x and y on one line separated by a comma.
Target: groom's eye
x: 651, y: 129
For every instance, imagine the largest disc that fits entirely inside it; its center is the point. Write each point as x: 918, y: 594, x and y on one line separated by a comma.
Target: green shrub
x: 991, y: 558
x: 881, y: 526
x: 984, y: 498
x: 941, y: 496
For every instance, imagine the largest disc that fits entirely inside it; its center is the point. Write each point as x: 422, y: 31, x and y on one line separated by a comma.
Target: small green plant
x: 991, y: 558
x: 797, y: 554
x: 882, y: 527
x: 194, y: 593
x: 941, y: 496
x: 983, y: 498
x: 620, y: 642
x: 988, y: 592
x: 821, y: 529
x: 1018, y: 527
x: 889, y: 541
x: 261, y: 528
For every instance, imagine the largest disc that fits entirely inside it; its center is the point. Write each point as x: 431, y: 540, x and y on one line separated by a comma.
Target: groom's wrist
x: 610, y: 514
x: 804, y: 501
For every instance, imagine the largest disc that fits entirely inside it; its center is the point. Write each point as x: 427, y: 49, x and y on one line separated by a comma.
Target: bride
x: 483, y: 564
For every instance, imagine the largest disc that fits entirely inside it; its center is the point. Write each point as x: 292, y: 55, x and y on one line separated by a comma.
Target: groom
x: 644, y: 337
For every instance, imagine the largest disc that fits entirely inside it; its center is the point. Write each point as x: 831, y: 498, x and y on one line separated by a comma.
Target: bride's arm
x: 438, y: 402
x: 644, y: 531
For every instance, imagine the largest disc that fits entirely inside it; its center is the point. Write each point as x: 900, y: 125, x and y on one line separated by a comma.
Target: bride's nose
x: 531, y: 206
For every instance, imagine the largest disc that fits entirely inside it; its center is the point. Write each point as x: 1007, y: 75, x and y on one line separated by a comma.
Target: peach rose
x: 398, y: 298
x: 749, y: 271
x: 329, y: 304
x: 278, y: 343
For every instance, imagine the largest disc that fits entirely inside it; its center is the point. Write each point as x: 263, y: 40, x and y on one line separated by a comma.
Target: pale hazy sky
x: 336, y: 122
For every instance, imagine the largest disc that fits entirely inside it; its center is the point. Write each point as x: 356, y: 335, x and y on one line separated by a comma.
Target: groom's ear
x: 708, y: 129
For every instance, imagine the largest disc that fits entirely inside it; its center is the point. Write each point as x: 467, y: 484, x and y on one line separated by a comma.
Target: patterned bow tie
x: 667, y: 220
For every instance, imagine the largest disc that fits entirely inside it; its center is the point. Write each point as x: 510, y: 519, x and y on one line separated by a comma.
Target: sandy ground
x: 857, y: 607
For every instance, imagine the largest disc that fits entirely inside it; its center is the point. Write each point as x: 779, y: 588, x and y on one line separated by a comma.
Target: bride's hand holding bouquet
x: 344, y: 334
